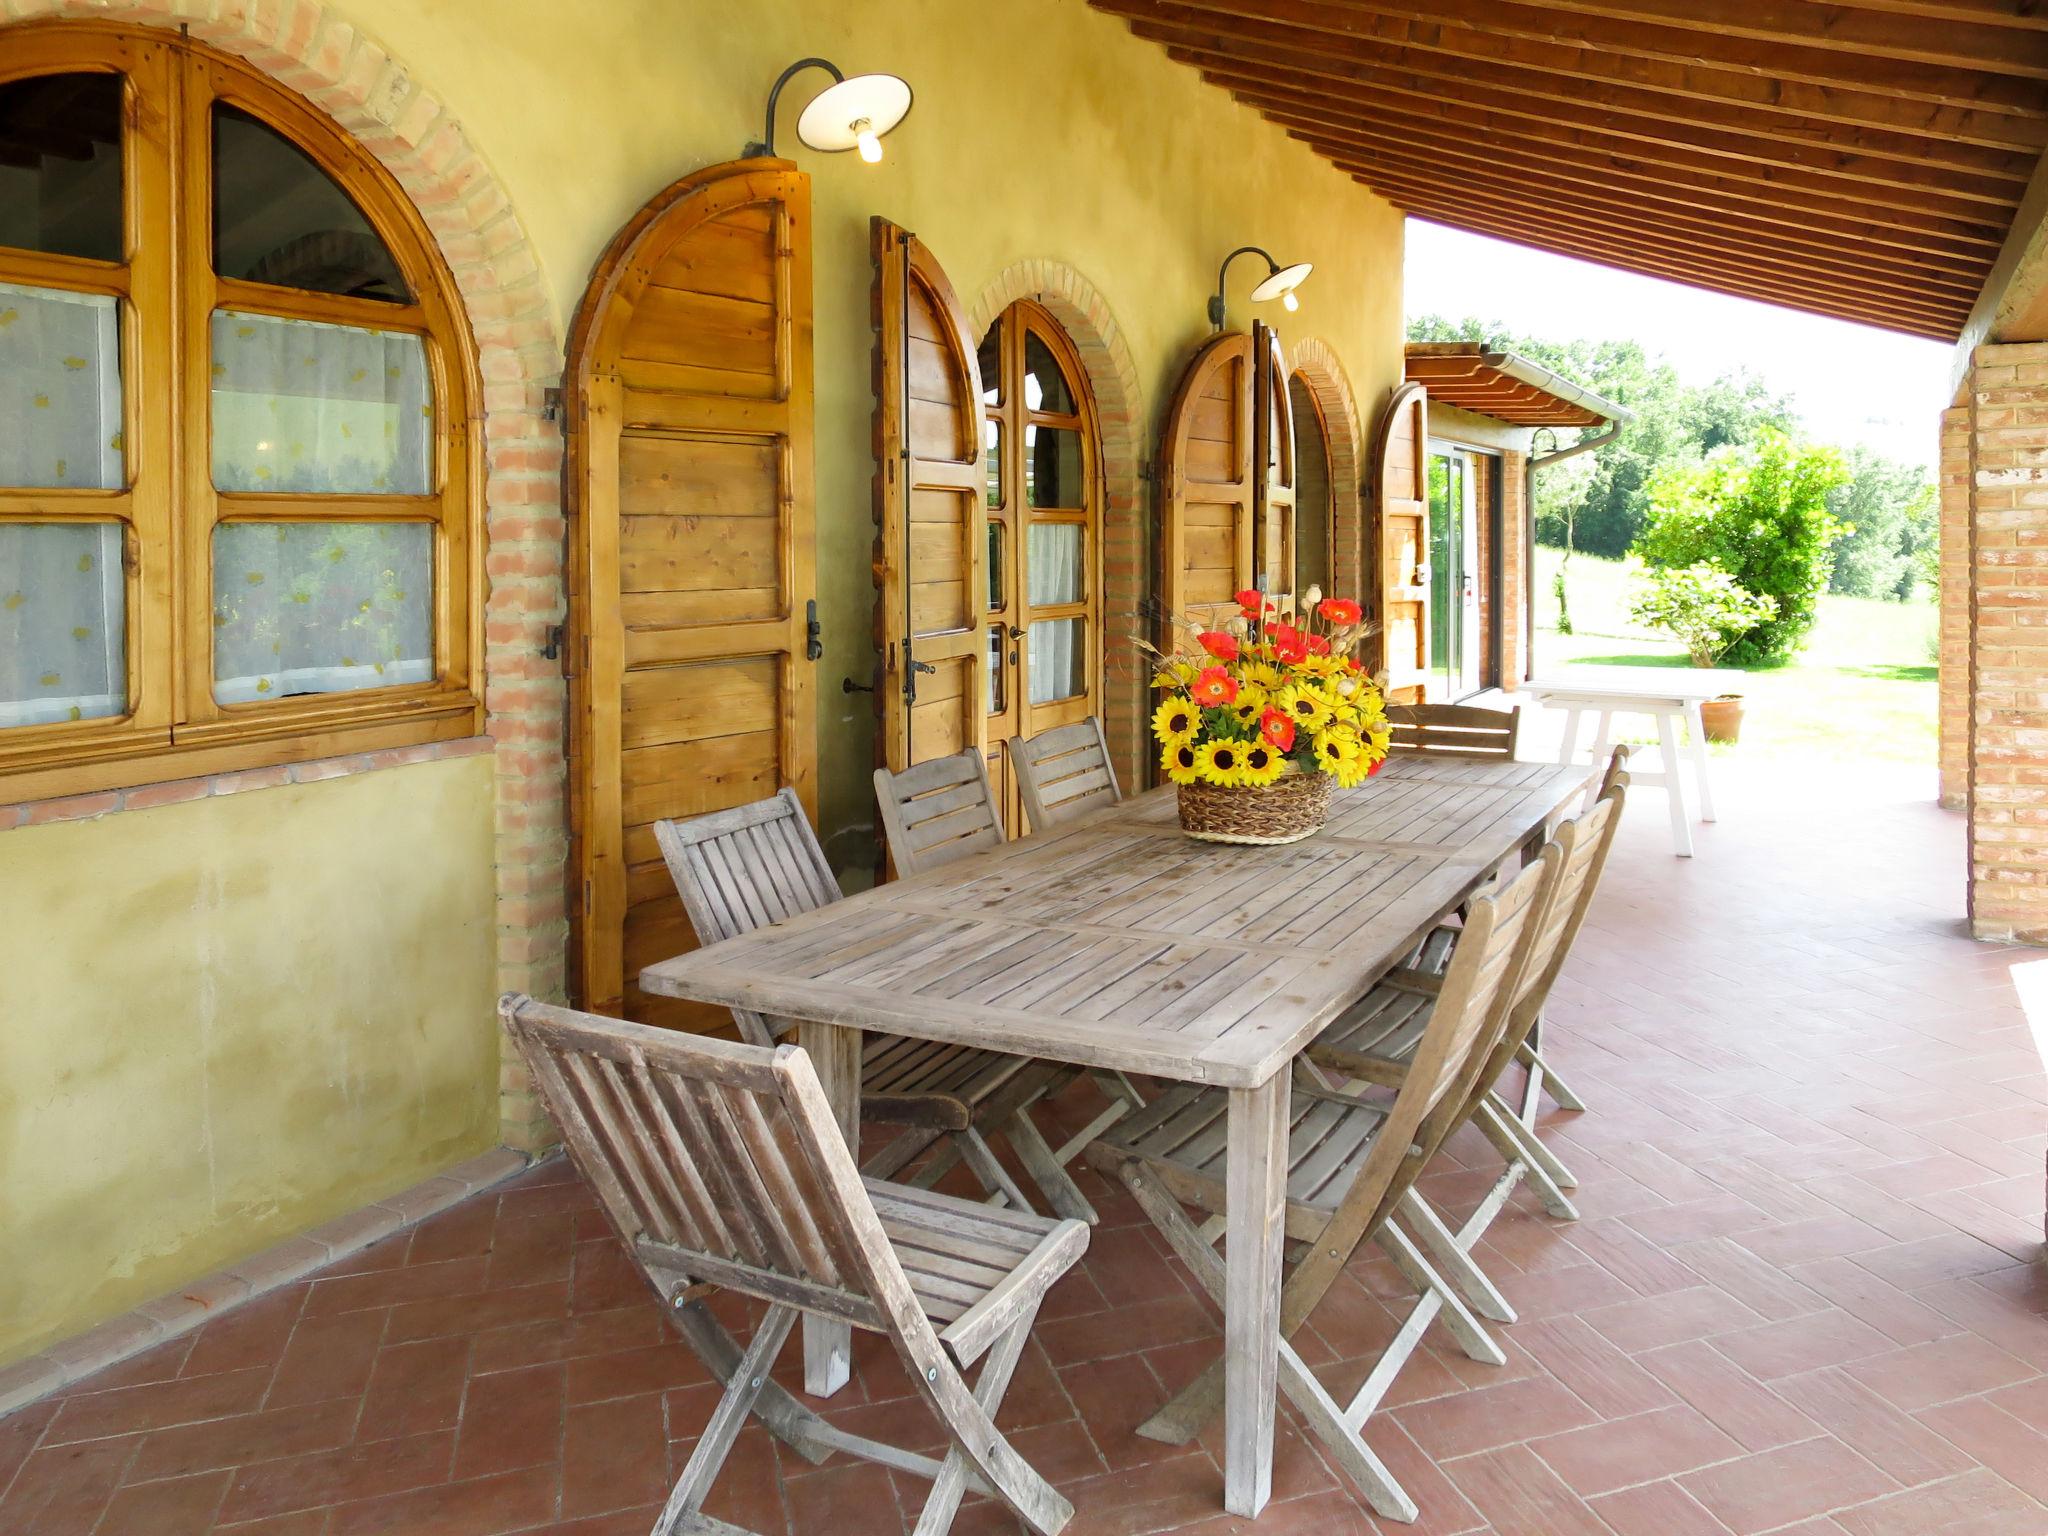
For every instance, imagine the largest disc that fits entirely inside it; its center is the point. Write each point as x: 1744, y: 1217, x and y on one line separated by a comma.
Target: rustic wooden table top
x: 1118, y: 943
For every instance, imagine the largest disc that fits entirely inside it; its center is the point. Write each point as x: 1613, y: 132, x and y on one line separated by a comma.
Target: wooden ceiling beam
x: 1576, y: 173
x: 1674, y: 43
x: 1702, y: 268
x: 1523, y: 186
x: 1343, y: 80
x: 1951, y: 42
x: 1470, y: 124
x: 1844, y: 273
x: 1872, y: 122
x: 2024, y: 14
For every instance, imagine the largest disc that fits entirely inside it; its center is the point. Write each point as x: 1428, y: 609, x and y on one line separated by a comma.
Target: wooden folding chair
x: 932, y: 814
x: 741, y: 869
x: 720, y: 1165
x: 1064, y: 773
x: 1349, y: 1162
x: 1454, y: 730
x: 1377, y: 1039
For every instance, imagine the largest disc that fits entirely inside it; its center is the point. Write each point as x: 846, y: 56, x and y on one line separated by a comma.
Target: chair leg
x: 1514, y: 1149
x: 685, y: 1501
x: 976, y: 1153
x: 1558, y: 1089
x: 1456, y: 1263
x: 787, y: 1419
x: 1465, y: 1329
x: 1123, y: 1098
x: 899, y: 1153
x: 951, y: 1484
x: 1061, y: 1192
x: 1534, y: 1147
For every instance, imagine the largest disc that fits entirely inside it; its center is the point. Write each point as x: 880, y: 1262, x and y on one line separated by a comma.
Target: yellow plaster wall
x: 225, y: 1021
x: 1041, y: 128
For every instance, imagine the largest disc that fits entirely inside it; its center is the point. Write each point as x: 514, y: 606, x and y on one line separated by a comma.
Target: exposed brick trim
x: 1317, y: 364
x: 208, y: 1297
x: 1954, y: 655
x: 37, y: 813
x: 312, y: 50
x: 1079, y: 306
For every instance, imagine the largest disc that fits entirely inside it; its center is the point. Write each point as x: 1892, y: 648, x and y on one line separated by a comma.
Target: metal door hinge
x: 814, y: 632
x: 553, y: 649
x: 551, y: 404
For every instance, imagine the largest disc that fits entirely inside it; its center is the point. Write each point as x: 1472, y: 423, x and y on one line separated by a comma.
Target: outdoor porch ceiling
x: 1863, y: 160
x: 1478, y: 378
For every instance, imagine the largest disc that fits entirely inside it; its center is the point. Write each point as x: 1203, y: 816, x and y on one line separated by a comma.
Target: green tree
x: 1887, y: 510
x: 1761, y: 514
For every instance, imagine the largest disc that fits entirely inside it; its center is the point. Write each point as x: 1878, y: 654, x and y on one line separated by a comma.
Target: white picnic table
x: 1670, y: 695
x: 1117, y: 943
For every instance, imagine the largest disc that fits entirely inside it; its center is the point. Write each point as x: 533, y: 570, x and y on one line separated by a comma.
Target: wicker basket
x: 1285, y: 811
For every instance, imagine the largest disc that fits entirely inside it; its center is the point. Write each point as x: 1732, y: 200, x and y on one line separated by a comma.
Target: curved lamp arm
x: 765, y: 145
x: 1216, y: 299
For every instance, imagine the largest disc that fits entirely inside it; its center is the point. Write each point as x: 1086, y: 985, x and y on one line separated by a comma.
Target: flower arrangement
x: 1274, y: 692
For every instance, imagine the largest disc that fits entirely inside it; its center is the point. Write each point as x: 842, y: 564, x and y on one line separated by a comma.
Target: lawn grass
x: 1862, y: 690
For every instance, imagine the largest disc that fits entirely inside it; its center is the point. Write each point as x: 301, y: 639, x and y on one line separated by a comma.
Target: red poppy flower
x: 1339, y: 610
x: 1214, y: 687
x: 1318, y: 645
x: 1252, y: 601
x: 1278, y: 729
x: 1289, y: 643
x: 1219, y: 644
x: 1376, y: 767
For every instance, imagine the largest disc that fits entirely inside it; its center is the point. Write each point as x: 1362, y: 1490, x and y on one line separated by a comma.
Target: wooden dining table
x: 1117, y: 943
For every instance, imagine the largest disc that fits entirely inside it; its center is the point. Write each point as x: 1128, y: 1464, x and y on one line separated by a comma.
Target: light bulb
x: 870, y: 146
x: 1289, y: 302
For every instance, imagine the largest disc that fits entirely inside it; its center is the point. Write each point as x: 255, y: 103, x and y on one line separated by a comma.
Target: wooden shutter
x: 1273, y: 492
x: 931, y: 515
x: 1206, y: 476
x: 1401, y: 510
x: 691, y: 552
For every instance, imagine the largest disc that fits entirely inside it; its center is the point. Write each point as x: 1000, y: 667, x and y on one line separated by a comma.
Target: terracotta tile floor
x: 1806, y: 1295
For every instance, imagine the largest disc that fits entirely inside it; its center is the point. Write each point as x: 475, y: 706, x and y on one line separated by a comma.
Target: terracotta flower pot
x: 1722, y: 717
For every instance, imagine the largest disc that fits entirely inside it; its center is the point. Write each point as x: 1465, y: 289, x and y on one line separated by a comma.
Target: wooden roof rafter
x: 1504, y: 385
x: 1863, y: 160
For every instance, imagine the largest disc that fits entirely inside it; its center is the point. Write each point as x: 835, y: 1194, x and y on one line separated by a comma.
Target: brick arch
x: 1317, y: 364
x: 311, y: 50
x: 1084, y: 313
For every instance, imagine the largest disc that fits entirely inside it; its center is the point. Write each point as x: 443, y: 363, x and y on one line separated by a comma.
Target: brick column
x: 2007, y: 593
x: 1955, y: 607
x: 1514, y: 569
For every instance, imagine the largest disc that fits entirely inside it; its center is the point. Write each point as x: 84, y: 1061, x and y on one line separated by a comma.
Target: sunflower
x: 1336, y: 749
x: 1355, y: 769
x: 1305, y: 704
x: 1324, y: 668
x: 1262, y: 765
x: 1259, y: 672
x: 1221, y: 763
x: 1180, y: 762
x: 1249, y: 705
x: 1176, y: 721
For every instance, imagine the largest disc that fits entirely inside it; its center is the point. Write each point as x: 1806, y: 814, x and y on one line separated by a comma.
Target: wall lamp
x: 1278, y: 283
x: 848, y: 114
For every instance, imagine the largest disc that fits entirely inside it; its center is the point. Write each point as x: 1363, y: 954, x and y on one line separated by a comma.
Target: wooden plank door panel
x: 1274, y: 491
x: 689, y: 483
x: 1401, y: 508
x: 1206, y: 479
x: 931, y: 519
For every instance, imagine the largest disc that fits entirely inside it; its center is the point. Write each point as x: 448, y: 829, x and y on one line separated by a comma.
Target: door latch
x: 552, y: 651
x: 814, y: 632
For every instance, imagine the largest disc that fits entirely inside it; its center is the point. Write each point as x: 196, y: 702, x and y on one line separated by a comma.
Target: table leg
x: 835, y: 1053
x: 1696, y: 724
x: 1674, y: 782
x: 1569, y: 751
x: 1603, y: 737
x: 1256, y: 1186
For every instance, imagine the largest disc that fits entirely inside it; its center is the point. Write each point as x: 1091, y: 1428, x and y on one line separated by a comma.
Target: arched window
x: 238, y: 464
x: 1043, y: 457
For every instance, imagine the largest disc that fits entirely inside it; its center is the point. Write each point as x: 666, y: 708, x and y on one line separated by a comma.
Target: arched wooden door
x: 689, y: 485
x: 1400, y: 466
x: 1274, y: 494
x: 931, y: 540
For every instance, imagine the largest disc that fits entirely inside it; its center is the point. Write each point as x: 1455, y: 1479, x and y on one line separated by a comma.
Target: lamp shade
x: 840, y: 114
x: 1282, y: 282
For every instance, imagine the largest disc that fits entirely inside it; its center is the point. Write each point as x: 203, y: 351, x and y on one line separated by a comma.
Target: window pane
x: 997, y: 600
x: 1057, y: 564
x: 320, y: 608
x: 63, y: 622
x: 60, y: 390
x: 990, y: 360
x: 996, y: 690
x: 278, y: 218
x: 60, y: 165
x: 1052, y: 467
x: 302, y: 406
x: 992, y: 458
x: 1059, y: 660
x: 1045, y: 386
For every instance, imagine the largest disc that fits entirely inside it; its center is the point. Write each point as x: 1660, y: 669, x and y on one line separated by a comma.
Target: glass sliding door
x: 1454, y: 574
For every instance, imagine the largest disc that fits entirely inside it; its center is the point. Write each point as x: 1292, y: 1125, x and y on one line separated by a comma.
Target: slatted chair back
x: 1617, y: 768
x: 1454, y: 730
x: 939, y: 811
x: 1478, y: 989
x: 744, y: 868
x: 1064, y: 773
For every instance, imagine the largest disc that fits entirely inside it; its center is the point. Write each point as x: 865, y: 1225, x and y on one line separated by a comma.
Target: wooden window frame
x: 166, y: 286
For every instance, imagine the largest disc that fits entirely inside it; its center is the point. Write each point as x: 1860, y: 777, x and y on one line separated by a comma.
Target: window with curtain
x: 237, y: 467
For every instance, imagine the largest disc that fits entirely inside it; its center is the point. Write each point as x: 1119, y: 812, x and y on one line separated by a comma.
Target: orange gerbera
x: 1278, y: 729
x: 1215, y: 687
x: 1339, y: 610
x: 1218, y: 644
